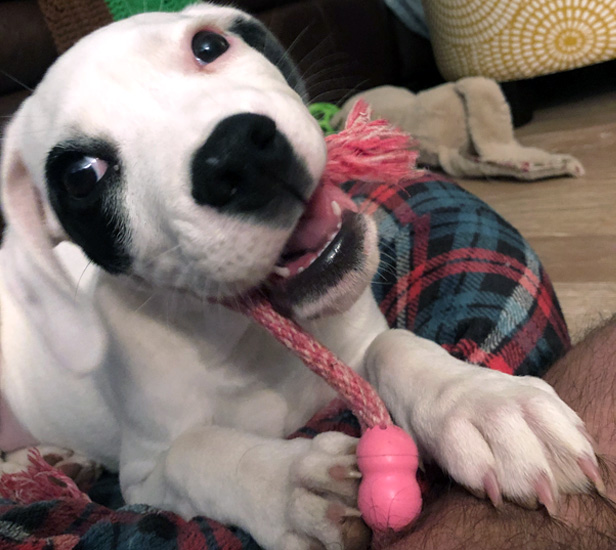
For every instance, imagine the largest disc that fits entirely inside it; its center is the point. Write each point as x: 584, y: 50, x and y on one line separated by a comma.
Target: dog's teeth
x: 300, y: 269
x: 282, y: 271
x: 336, y: 209
x: 331, y: 239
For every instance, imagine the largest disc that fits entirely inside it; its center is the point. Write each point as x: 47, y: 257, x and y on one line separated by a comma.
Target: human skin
x: 585, y: 378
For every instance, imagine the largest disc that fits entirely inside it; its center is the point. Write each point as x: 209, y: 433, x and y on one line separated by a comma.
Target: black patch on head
x: 257, y: 36
x: 95, y: 222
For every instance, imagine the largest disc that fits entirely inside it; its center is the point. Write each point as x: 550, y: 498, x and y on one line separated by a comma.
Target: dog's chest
x: 174, y: 368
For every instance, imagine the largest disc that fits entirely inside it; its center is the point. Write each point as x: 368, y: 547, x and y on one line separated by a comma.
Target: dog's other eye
x: 81, y: 176
x: 208, y: 46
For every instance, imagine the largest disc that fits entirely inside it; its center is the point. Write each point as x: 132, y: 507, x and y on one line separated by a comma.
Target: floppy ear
x: 67, y: 323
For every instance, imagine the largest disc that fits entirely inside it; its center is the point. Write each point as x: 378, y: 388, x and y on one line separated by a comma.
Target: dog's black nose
x: 248, y: 165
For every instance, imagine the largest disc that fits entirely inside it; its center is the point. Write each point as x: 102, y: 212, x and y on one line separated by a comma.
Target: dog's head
x: 176, y: 149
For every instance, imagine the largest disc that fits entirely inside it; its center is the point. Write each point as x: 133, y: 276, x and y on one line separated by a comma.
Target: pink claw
x: 591, y: 471
x: 490, y: 486
x: 545, y: 495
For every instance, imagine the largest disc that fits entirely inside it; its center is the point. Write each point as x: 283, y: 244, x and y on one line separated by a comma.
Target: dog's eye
x: 208, y: 46
x: 81, y: 176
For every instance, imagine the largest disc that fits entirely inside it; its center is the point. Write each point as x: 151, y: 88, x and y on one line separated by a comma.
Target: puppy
x: 176, y: 152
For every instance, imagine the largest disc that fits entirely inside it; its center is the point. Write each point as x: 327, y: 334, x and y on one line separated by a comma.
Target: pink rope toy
x: 389, y: 496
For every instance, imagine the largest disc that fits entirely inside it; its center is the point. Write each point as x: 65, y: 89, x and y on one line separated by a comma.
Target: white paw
x: 322, y: 507
x: 80, y: 469
x: 507, y: 436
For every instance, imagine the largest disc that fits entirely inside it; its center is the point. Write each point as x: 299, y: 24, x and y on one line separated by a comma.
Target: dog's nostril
x: 225, y: 187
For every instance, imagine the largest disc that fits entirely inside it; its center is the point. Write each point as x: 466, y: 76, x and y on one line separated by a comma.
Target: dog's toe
x: 81, y: 470
x: 323, y: 507
x: 332, y: 470
x: 332, y: 523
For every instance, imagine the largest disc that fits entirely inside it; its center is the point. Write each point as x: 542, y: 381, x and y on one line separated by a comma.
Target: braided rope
x: 359, y: 395
x: 370, y: 150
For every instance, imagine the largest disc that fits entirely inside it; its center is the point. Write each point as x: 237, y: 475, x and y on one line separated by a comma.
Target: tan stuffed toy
x: 465, y: 129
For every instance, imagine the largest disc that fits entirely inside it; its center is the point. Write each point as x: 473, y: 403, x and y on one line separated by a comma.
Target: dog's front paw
x: 322, y: 510
x: 511, y: 437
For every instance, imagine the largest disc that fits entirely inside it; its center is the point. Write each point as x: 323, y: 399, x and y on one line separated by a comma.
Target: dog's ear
x: 35, y: 279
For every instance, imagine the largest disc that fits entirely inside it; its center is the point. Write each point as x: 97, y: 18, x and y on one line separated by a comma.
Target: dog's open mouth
x: 327, y: 245
x: 317, y: 233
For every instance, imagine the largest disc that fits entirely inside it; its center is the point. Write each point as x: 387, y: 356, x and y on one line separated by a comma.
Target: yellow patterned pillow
x: 514, y: 39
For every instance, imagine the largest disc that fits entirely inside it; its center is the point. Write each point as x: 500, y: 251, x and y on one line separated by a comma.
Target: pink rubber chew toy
x: 389, y: 496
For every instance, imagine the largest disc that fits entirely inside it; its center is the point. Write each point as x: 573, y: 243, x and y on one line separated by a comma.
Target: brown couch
x: 341, y: 46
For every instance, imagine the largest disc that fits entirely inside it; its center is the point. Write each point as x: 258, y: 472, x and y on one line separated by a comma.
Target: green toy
x: 324, y: 112
x: 121, y: 9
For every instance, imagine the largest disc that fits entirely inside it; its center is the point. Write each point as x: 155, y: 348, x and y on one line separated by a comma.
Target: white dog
x: 176, y: 152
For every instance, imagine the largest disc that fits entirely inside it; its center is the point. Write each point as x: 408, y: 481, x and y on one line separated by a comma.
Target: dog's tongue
x: 320, y: 221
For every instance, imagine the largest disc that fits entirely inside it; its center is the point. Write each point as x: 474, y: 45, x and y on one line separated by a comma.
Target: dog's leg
x: 287, y: 494
x: 499, y: 435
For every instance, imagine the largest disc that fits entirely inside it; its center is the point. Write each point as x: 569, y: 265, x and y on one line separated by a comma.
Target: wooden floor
x: 571, y: 223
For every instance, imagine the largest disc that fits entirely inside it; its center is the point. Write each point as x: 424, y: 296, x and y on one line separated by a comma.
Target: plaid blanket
x: 452, y: 270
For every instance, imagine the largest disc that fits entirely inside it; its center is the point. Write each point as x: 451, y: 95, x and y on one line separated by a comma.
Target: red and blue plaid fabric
x: 455, y: 272
x: 452, y: 270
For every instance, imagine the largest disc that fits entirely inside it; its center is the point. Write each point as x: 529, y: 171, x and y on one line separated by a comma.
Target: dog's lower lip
x: 339, y: 257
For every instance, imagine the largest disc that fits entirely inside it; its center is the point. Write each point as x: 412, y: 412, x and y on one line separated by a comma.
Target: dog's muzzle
x: 248, y: 166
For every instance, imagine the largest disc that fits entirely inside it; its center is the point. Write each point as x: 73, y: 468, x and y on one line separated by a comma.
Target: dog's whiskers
x: 297, y: 39
x: 161, y: 254
x: 81, y: 277
x: 145, y: 302
x: 384, y: 270
x: 171, y: 305
x: 313, y: 53
x: 327, y: 80
x: 314, y: 58
x: 346, y: 91
x: 16, y: 80
x: 388, y: 256
x: 333, y: 62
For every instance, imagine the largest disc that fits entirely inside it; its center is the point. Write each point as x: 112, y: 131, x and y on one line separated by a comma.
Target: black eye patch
x: 257, y: 36
x: 84, y: 184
